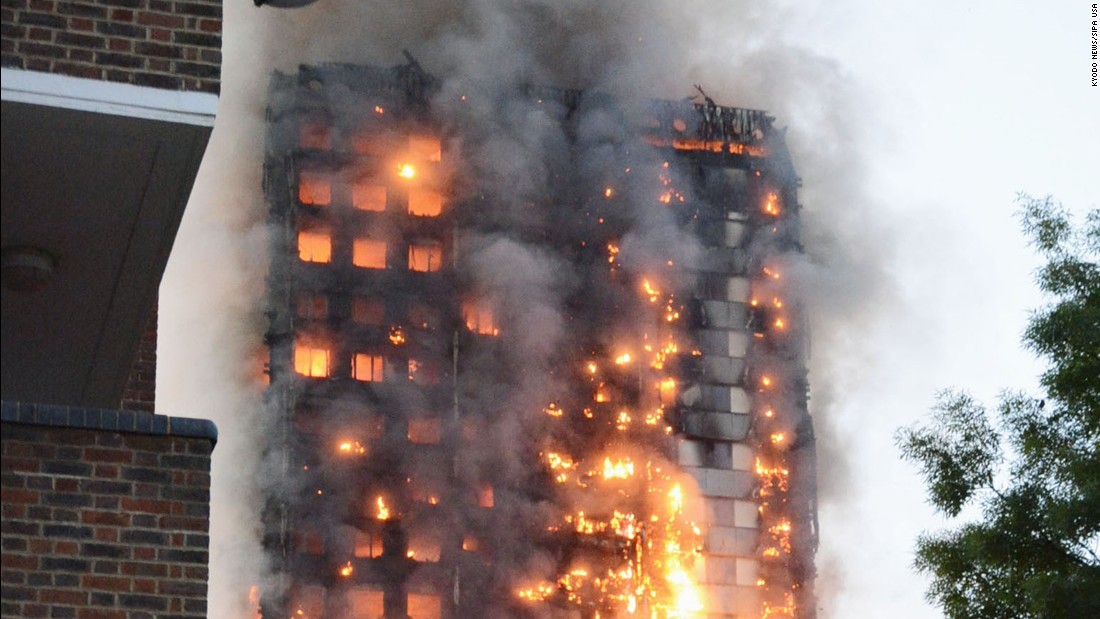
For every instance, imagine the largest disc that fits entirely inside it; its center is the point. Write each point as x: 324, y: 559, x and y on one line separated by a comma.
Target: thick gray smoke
x: 211, y: 324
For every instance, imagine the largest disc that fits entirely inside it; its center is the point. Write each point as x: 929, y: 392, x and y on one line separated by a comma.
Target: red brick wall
x: 141, y: 384
x: 100, y: 524
x: 174, y: 45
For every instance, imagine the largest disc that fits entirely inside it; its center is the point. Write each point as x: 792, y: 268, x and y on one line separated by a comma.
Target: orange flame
x: 771, y: 204
x: 622, y: 421
x: 397, y: 335
x: 352, y: 448
x: 622, y: 468
x: 602, y: 395
x: 254, y: 601
x: 383, y: 512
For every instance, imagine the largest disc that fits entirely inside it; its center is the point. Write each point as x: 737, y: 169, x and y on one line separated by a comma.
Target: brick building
x: 154, y: 43
x: 107, y: 106
x: 105, y: 513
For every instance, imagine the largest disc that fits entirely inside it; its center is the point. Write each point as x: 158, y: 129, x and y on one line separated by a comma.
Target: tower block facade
x: 490, y: 401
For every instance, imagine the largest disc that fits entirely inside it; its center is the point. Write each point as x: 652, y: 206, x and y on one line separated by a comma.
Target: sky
x: 957, y: 107
x: 973, y: 102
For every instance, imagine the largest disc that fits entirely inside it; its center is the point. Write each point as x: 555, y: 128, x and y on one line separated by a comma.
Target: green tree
x: 1032, y: 467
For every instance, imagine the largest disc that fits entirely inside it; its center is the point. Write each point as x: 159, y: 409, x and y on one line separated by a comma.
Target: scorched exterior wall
x: 315, y: 162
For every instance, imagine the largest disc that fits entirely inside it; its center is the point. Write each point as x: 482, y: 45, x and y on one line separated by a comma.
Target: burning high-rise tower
x: 579, y: 396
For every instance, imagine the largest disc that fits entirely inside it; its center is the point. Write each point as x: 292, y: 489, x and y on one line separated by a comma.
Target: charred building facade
x: 489, y: 401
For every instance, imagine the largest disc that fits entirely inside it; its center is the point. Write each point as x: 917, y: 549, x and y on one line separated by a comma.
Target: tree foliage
x: 1032, y: 467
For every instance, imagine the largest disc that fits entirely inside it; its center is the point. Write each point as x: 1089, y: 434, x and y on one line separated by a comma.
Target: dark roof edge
x: 129, y: 422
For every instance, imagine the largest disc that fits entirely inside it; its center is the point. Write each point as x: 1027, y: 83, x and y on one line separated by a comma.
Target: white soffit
x: 75, y: 93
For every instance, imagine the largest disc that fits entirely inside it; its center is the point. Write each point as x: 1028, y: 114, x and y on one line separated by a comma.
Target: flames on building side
x: 590, y: 403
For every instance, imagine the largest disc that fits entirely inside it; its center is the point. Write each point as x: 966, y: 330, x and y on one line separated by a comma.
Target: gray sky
x: 974, y: 101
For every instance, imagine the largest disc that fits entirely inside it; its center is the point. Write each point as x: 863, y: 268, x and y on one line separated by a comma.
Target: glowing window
x: 369, y: 254
x: 425, y: 148
x: 368, y: 197
x: 668, y: 391
x: 313, y: 361
x: 312, y: 306
x: 316, y: 135
x: 367, y: 311
x: 425, y: 258
x: 422, y: 606
x: 367, y: 546
x: 367, y: 368
x: 424, y: 431
x: 479, y: 319
x: 314, y: 189
x: 425, y: 203
x: 485, y: 496
x: 470, y: 543
x: 603, y: 393
x: 314, y: 246
x: 364, y: 602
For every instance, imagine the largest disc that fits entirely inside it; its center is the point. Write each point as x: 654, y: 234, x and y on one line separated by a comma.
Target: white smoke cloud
x: 210, y: 321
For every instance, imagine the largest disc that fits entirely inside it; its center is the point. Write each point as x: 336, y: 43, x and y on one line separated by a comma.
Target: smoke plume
x: 484, y: 51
